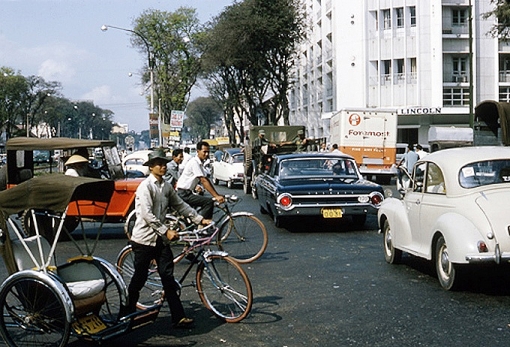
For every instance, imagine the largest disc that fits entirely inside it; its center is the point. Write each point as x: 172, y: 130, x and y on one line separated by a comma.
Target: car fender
x: 460, y: 234
x: 395, y: 212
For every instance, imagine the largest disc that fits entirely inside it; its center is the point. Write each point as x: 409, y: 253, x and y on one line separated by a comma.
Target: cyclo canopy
x: 54, y: 192
x: 48, y: 192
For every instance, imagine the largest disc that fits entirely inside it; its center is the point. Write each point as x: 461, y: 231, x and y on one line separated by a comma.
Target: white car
x: 230, y: 168
x: 134, y: 162
x: 455, y: 212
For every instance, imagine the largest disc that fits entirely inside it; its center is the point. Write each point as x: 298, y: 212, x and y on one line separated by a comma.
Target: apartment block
x: 423, y: 58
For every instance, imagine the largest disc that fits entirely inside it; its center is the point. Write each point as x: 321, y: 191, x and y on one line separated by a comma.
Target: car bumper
x: 315, y: 210
x: 497, y: 257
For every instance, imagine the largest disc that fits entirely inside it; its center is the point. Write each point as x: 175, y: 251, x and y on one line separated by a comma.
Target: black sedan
x: 316, y: 184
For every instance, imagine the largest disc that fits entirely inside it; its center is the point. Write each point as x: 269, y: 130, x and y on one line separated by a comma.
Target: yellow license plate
x: 331, y: 212
x: 88, y: 325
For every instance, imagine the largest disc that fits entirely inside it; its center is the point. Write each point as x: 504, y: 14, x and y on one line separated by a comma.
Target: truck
x: 275, y: 134
x: 449, y: 137
x: 370, y: 136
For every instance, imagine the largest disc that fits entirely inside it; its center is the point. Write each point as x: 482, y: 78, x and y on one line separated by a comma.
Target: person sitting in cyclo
x: 150, y: 236
x: 193, y: 174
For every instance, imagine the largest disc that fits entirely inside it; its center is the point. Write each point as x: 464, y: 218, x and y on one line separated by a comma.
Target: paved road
x: 328, y: 285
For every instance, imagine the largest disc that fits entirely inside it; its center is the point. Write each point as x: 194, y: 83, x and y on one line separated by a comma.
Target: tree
x: 249, y: 58
x: 202, y: 113
x: 501, y: 12
x: 175, y: 43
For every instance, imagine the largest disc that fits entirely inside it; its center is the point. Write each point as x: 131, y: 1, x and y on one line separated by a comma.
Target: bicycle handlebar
x: 196, y: 232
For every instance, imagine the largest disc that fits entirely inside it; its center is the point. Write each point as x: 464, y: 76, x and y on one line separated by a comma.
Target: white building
x: 408, y: 55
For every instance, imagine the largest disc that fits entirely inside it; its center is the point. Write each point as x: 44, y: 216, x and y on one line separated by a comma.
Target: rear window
x: 484, y: 173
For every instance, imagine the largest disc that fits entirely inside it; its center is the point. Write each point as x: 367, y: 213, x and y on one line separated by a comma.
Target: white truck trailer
x: 370, y: 136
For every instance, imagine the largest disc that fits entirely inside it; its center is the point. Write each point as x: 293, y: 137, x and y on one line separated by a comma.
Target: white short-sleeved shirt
x: 191, y: 174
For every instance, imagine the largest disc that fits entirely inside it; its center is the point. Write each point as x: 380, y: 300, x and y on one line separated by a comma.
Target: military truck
x: 254, y: 162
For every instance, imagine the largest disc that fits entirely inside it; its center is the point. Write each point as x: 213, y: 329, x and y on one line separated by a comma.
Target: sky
x: 61, y: 40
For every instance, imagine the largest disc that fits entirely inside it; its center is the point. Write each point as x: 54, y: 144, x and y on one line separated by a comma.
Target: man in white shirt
x: 186, y: 158
x: 193, y: 174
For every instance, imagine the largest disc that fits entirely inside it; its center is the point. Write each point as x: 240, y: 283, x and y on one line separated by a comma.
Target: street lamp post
x: 150, y: 61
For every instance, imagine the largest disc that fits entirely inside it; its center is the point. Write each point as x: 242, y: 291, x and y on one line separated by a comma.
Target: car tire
x: 359, y: 219
x: 278, y: 221
x: 215, y: 180
x: 391, y: 254
x: 229, y: 184
x: 246, y: 186
x: 447, y: 272
x: 263, y: 209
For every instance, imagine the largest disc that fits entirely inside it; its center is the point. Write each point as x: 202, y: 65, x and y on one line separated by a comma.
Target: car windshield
x: 238, y: 158
x: 484, y: 173
x: 319, y: 167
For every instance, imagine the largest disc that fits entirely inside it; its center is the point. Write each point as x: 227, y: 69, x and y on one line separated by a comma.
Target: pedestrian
x: 419, y: 150
x: 150, y: 237
x: 194, y: 173
x: 77, y: 166
x: 187, y: 156
x: 172, y: 168
x: 408, y: 160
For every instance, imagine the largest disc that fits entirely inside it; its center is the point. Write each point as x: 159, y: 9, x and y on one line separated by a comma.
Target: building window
x: 412, y: 15
x: 459, y: 69
x: 386, y: 14
x: 375, y: 19
x: 459, y: 17
x: 455, y: 96
x: 400, y: 73
x: 504, y: 94
x: 400, y: 17
x: 386, y: 71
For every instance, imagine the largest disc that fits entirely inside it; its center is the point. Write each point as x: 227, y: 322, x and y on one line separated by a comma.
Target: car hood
x: 495, y: 209
x: 327, y: 185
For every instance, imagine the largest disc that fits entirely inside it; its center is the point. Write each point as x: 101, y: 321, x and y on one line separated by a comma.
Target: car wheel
x: 359, y: 219
x: 229, y: 184
x: 278, y: 221
x: 263, y: 209
x: 246, y: 186
x: 215, y: 180
x: 446, y: 271
x: 391, y: 254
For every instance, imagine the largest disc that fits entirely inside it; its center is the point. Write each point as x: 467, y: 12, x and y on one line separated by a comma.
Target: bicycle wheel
x: 129, y: 224
x: 33, y: 314
x: 224, y: 288
x: 243, y: 236
x: 152, y: 292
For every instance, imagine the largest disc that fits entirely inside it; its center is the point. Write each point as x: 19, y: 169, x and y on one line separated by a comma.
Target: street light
x: 150, y: 61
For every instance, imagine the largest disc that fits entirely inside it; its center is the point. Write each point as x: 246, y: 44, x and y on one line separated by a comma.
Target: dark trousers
x: 205, y: 203
x: 164, y: 258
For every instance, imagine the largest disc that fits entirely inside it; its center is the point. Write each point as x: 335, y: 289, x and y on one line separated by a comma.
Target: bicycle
x: 241, y: 234
x: 222, y: 284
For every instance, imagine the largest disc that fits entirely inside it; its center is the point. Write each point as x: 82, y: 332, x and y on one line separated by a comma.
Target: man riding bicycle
x: 193, y: 174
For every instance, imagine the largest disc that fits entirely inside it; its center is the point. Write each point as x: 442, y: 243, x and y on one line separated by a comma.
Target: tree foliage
x: 501, y: 12
x: 249, y: 57
x: 202, y: 114
x: 31, y: 101
x: 175, y: 41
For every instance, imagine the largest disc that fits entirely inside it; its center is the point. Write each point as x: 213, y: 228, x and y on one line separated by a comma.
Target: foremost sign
x: 370, y: 136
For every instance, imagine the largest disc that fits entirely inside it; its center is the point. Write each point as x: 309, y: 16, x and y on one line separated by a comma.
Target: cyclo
x: 45, y: 303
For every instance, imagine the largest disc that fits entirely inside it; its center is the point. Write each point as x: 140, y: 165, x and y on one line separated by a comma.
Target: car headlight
x: 285, y: 201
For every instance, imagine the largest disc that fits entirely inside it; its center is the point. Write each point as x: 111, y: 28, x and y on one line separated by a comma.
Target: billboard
x: 176, y: 119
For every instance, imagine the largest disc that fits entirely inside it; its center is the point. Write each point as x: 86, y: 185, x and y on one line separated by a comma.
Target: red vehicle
x: 104, y: 160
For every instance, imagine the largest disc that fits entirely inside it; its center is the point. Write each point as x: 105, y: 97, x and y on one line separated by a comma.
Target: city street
x: 327, y: 284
